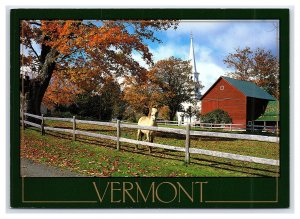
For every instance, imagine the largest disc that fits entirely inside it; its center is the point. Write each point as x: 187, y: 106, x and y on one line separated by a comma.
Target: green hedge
x: 216, y: 116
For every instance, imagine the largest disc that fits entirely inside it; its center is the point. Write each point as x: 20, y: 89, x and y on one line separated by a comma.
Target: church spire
x: 195, y: 74
x: 193, y: 61
x: 192, y: 56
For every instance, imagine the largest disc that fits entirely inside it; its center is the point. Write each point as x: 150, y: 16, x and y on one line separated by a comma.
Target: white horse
x: 149, y: 120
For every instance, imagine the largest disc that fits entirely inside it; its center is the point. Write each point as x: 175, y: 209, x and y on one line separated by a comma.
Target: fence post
x: 42, y: 125
x: 187, y: 144
x: 118, y: 134
x: 230, y: 126
x: 74, y: 128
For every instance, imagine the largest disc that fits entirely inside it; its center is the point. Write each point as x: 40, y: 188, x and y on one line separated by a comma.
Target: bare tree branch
x: 33, y: 50
x: 35, y: 23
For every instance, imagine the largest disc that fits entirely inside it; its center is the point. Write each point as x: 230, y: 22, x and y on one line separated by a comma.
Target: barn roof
x: 248, y: 88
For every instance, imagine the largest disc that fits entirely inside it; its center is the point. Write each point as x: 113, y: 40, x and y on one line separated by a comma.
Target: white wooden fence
x: 226, y: 126
x: 187, y: 132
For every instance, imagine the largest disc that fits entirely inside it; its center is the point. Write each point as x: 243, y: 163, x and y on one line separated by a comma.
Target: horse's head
x: 154, y: 113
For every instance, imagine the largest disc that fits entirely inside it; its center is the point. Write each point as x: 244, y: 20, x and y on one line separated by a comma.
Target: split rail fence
x: 187, y: 132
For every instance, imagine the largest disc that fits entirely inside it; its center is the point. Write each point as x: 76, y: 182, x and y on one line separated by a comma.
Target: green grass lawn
x: 98, y: 157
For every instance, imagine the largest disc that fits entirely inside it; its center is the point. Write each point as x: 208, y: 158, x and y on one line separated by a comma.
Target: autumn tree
x: 83, y: 52
x: 258, y: 66
x: 102, y: 105
x: 173, y: 77
x: 167, y: 83
x: 164, y: 112
x: 141, y: 93
x: 60, y: 92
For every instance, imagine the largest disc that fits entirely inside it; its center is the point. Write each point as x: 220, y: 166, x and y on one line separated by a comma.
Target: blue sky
x: 213, y: 41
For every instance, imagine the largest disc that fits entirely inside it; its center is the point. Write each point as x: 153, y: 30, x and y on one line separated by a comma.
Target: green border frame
x: 219, y: 192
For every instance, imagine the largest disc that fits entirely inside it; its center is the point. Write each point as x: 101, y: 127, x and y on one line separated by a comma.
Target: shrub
x: 216, y: 116
x: 61, y: 114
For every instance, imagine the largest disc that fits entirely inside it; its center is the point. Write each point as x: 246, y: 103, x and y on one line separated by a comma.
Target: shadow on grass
x: 173, y: 155
x: 85, y: 129
x: 199, y: 138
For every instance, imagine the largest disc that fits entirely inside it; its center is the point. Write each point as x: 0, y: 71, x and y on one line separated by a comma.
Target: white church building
x: 186, y: 116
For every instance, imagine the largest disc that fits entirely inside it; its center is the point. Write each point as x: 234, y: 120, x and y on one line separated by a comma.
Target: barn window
x: 221, y: 87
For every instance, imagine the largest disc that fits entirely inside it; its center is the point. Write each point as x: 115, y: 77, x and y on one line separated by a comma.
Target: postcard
x: 149, y: 108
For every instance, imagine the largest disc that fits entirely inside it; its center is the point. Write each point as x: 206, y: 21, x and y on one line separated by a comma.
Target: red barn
x: 244, y: 101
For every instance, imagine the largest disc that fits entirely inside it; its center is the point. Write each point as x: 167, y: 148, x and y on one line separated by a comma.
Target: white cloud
x: 203, y: 53
x: 167, y: 50
x: 137, y: 57
x: 225, y: 36
x: 246, y: 34
x: 206, y: 66
x: 209, y: 73
x: 164, y: 51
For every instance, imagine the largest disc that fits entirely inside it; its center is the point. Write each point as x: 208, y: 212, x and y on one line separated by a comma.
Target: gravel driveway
x: 31, y: 169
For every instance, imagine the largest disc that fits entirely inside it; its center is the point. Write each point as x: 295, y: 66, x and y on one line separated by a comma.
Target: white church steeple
x: 192, y: 55
x: 195, y: 74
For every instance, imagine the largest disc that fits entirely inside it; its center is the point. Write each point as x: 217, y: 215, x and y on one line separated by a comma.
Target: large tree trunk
x: 37, y: 87
x: 35, y: 96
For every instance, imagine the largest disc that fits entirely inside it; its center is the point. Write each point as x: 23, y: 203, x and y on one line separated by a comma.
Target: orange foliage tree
x: 258, y: 66
x: 168, y: 83
x: 142, y: 93
x: 60, y: 91
x: 84, y: 52
x: 164, y: 112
